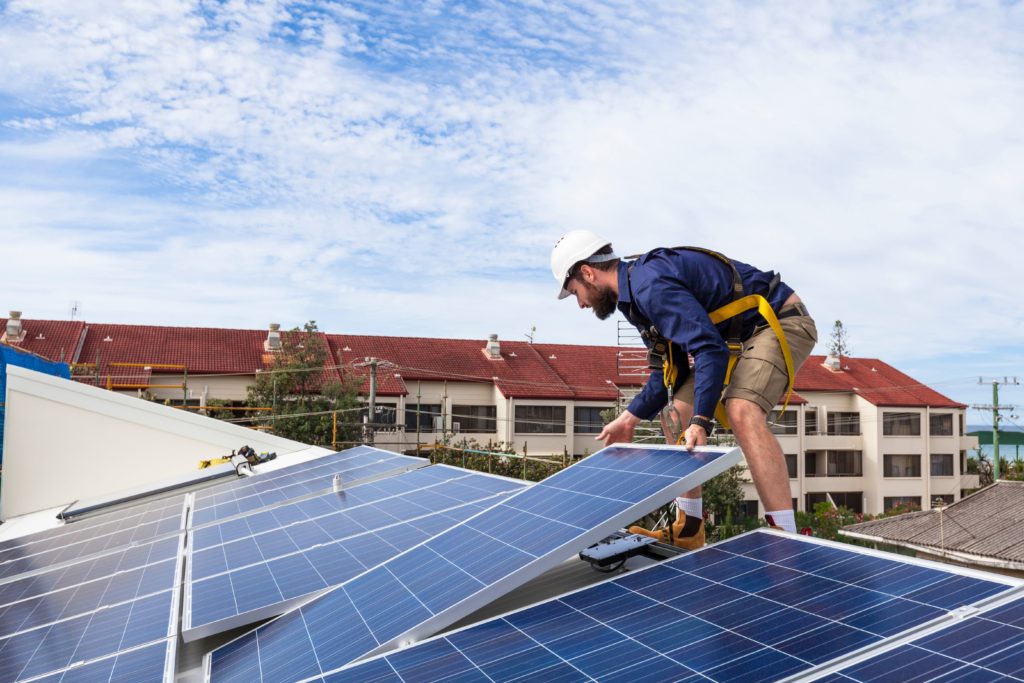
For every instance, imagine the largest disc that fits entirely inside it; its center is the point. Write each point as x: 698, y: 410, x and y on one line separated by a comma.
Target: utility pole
x: 996, y: 418
x: 371, y: 417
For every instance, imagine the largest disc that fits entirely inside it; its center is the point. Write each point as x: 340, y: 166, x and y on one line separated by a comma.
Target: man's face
x: 601, y: 299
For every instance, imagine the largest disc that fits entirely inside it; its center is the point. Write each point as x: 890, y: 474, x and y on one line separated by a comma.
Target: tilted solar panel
x: 92, y: 621
x: 245, y: 496
x: 146, y: 664
x: 759, y: 607
x: 92, y: 527
x: 257, y: 566
x: 987, y: 645
x: 46, y: 553
x: 432, y: 585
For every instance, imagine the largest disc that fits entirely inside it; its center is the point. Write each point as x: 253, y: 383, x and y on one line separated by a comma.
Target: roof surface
x: 989, y: 523
x: 524, y: 370
x: 874, y: 380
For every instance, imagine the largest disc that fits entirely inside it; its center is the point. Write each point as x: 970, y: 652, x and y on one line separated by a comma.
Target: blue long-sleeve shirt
x: 675, y: 291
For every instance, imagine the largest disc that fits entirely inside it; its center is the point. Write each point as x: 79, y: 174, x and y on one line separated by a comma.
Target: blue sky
x: 404, y: 168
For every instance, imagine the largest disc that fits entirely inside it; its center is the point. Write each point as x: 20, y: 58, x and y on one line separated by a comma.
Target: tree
x: 302, y: 396
x: 839, y: 343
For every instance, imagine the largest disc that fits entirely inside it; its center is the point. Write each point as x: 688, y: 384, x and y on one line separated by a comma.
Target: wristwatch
x: 708, y: 425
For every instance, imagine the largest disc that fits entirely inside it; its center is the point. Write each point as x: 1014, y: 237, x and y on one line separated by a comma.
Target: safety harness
x: 660, y: 353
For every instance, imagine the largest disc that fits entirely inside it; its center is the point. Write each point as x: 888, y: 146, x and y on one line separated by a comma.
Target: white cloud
x: 384, y: 167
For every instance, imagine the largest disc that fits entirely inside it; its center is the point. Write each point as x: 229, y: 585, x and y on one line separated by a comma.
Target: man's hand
x: 695, y: 436
x: 619, y: 430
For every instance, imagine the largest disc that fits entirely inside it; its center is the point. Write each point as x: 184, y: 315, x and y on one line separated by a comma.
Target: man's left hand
x: 695, y: 436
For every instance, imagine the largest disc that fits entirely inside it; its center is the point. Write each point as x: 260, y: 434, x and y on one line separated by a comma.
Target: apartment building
x: 857, y: 432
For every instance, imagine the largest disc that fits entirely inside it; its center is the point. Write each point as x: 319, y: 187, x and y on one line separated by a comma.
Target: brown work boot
x: 682, y: 537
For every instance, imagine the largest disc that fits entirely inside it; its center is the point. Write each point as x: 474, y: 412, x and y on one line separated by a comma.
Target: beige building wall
x: 66, y: 441
x: 872, y: 486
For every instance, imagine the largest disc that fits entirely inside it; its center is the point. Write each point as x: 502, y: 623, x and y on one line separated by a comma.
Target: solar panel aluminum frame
x: 936, y: 625
x: 186, y: 507
x: 431, y: 626
x: 190, y: 634
x: 1015, y: 591
x: 170, y: 662
x: 408, y: 467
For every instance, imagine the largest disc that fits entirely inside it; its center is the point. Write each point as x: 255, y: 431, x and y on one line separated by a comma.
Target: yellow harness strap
x: 738, y: 307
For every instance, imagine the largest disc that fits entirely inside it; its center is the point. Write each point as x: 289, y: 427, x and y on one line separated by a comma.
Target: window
x: 540, y: 419
x: 941, y: 425
x: 962, y: 429
x: 843, y: 423
x: 963, y: 462
x: 854, y: 500
x: 902, y: 465
x: 810, y: 420
x: 427, y: 413
x: 587, y: 420
x: 784, y: 423
x: 901, y: 424
x: 385, y: 414
x: 811, y: 464
x: 844, y: 463
x: 475, y: 419
x: 791, y: 464
x: 942, y: 464
x: 748, y: 509
x: 911, y: 502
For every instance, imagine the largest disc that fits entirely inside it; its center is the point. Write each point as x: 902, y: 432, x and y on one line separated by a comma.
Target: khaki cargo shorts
x: 760, y: 373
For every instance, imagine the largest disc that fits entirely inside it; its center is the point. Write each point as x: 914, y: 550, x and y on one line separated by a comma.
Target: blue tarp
x: 12, y: 356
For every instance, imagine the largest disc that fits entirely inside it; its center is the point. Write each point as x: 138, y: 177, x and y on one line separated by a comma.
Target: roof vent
x: 15, y: 332
x: 108, y: 338
x: 493, y: 348
x: 273, y: 340
x: 832, y: 363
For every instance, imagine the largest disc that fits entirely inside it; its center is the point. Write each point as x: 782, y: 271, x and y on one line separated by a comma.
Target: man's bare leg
x: 762, y: 452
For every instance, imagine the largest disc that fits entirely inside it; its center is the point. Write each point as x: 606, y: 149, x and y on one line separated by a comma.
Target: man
x: 669, y: 295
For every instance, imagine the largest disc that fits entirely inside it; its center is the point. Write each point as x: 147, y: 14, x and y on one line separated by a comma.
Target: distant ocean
x: 1006, y: 451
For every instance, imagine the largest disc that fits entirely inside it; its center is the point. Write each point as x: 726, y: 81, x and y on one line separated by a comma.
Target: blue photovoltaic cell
x: 97, y: 525
x: 90, y: 636
x: 38, y: 556
x: 262, y: 561
x: 758, y: 607
x: 147, y: 664
x: 71, y: 541
x: 66, y: 576
x: 87, y: 597
x: 435, y: 583
x: 988, y: 646
x: 316, y: 476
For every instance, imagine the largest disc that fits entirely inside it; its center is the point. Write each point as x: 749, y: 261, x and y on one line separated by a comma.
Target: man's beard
x: 604, y: 301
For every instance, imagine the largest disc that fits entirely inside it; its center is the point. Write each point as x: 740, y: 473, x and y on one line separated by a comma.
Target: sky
x: 404, y: 168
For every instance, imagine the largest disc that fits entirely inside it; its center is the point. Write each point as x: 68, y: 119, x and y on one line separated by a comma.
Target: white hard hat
x: 576, y: 246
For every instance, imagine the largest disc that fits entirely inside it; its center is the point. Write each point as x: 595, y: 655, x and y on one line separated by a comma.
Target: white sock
x: 694, y: 507
x: 785, y: 519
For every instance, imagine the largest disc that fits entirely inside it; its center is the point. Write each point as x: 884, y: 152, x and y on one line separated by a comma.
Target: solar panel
x: 98, y: 525
x: 148, y: 663
x: 362, y: 463
x: 434, y: 584
x: 92, y: 621
x: 762, y: 606
x: 46, y: 553
x: 128, y: 559
x: 987, y: 645
x: 250, y: 568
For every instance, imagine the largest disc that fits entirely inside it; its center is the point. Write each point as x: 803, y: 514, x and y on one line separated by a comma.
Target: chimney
x: 273, y: 341
x: 832, y: 363
x: 15, y: 332
x: 493, y: 348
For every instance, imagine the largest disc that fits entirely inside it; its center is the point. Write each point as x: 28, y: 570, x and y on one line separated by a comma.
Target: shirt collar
x: 624, y: 294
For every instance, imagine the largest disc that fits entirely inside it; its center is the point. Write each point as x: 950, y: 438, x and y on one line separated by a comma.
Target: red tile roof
x: 877, y: 382
x: 52, y: 339
x: 554, y: 371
